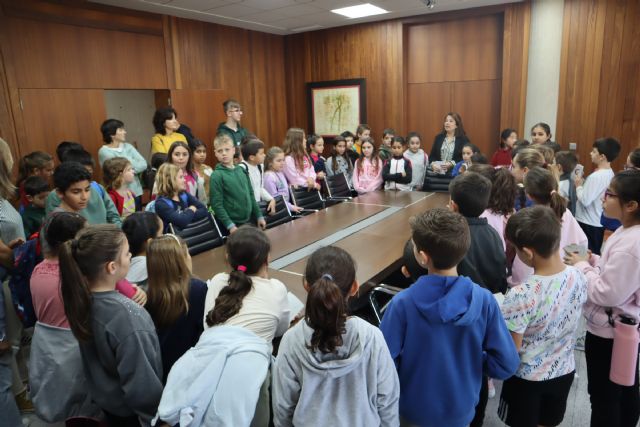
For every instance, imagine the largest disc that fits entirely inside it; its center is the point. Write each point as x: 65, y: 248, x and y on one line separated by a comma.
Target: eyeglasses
x: 608, y: 194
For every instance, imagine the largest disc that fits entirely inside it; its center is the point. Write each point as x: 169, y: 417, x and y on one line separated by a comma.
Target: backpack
x: 26, y: 257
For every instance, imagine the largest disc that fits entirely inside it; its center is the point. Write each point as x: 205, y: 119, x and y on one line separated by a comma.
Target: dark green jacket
x: 32, y: 219
x: 236, y: 136
x: 231, y: 196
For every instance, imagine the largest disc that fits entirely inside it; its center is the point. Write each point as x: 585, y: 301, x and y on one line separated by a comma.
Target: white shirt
x: 265, y: 309
x: 589, y: 203
x: 255, y: 176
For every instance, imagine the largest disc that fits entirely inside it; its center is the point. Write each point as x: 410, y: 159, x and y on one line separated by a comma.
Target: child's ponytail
x: 541, y: 185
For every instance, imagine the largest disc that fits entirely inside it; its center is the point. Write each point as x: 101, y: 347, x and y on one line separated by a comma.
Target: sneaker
x: 492, y: 389
x: 24, y: 403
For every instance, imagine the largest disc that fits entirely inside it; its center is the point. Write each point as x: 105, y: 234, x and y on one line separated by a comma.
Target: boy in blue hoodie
x: 445, y: 332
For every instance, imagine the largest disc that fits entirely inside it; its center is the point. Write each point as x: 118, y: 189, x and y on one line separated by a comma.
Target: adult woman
x: 11, y: 227
x: 447, y: 145
x: 165, y: 121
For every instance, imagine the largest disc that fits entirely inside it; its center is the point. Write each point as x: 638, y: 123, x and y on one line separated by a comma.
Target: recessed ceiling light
x: 360, y: 11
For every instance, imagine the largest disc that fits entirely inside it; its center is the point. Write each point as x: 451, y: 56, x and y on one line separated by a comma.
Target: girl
x: 174, y: 205
x: 363, y: 131
x: 542, y: 188
x: 180, y: 155
x: 118, y: 175
x: 349, y: 137
x: 140, y: 228
x: 418, y: 158
x: 114, y: 137
x: 37, y: 163
x: 633, y: 160
x: 118, y: 341
x: 165, y: 122
x: 340, y: 162
x: 330, y: 354
x: 367, y: 172
x: 502, y: 156
x: 202, y: 170
x: 315, y: 147
x: 613, y: 286
x: 176, y: 299
x: 298, y: 167
x: 397, y: 171
x: 523, y: 161
x: 541, y: 134
x: 447, y: 145
x: 468, y: 150
x: 274, y: 180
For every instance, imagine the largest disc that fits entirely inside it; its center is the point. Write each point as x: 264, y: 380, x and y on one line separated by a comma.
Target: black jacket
x: 437, y: 146
x: 387, y: 175
x: 486, y: 256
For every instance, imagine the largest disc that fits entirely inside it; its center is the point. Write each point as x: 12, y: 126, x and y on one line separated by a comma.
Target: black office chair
x: 437, y: 183
x: 338, y: 189
x: 282, y: 215
x: 310, y: 201
x: 379, y: 298
x: 201, y: 235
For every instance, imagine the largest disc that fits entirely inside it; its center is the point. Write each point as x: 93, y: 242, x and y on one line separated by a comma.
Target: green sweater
x: 236, y: 135
x: 232, y: 196
x: 32, y: 219
x: 99, y: 210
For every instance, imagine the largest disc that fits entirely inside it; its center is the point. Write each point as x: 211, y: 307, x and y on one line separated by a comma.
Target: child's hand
x: 233, y: 229
x: 578, y: 180
x: 140, y: 297
x: 310, y: 182
x: 271, y: 207
x: 572, y: 258
x: 193, y: 208
x: 320, y: 175
x: 262, y: 223
x: 297, y: 209
x: 5, y: 347
x: 404, y: 174
x: 316, y: 186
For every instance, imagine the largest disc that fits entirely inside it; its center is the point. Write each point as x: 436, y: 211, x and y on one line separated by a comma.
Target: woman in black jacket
x: 447, y: 145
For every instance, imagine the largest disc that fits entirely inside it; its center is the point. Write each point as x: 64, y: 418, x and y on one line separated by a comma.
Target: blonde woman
x: 174, y: 204
x: 11, y: 228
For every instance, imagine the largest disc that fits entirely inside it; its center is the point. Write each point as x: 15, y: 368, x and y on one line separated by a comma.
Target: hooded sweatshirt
x: 370, y: 178
x: 355, y: 386
x: 444, y: 333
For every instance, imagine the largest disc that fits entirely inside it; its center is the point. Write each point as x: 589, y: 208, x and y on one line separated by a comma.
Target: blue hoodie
x: 444, y: 333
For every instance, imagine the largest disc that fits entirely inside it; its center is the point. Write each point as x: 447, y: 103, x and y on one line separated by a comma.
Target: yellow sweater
x: 161, y: 143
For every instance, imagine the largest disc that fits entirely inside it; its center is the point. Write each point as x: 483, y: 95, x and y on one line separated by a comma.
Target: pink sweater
x: 46, y: 295
x: 294, y: 175
x: 571, y: 233
x: 368, y: 179
x: 613, y: 281
x: 498, y: 222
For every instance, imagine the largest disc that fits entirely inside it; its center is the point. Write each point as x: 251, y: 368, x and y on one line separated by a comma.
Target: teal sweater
x: 231, y: 196
x: 99, y: 210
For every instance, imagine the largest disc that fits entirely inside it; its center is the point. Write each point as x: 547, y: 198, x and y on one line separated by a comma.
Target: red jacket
x: 118, y: 200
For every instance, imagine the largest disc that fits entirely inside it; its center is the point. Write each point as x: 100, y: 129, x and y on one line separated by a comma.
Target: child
x: 203, y: 170
x: 165, y: 122
x: 340, y: 161
x: 231, y: 192
x: 118, y: 341
x: 233, y: 111
x: 315, y: 147
x: 174, y: 204
x: 633, y: 160
x: 502, y: 156
x: 566, y: 162
x: 118, y: 175
x: 363, y: 131
x: 367, y: 172
x: 349, y: 137
x: 385, y: 148
x: 523, y: 160
x: 253, y: 155
x: 274, y: 180
x: 330, y: 354
x: 396, y: 172
x: 176, y: 299
x: 542, y: 315
x: 470, y: 193
x: 65, y: 146
x: 589, y: 193
x: 418, y: 158
x: 37, y: 163
x: 461, y: 167
x: 298, y: 167
x: 140, y: 228
x: 613, y: 288
x: 36, y: 190
x: 449, y: 313
x: 180, y: 155
x: 541, y: 134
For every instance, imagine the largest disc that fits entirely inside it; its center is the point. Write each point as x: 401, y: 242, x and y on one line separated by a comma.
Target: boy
x: 253, y: 155
x: 567, y: 162
x: 589, y: 193
x: 230, y: 189
x: 363, y: 131
x: 444, y: 332
x: 542, y: 315
x: 351, y: 152
x: 36, y: 189
x: 396, y: 171
x: 231, y: 127
x: 387, y: 139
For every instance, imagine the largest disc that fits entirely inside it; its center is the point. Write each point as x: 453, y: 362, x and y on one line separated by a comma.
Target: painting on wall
x: 336, y: 106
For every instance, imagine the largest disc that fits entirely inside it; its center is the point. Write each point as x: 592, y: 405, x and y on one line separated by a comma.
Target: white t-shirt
x: 546, y: 311
x: 264, y: 311
x: 589, y: 204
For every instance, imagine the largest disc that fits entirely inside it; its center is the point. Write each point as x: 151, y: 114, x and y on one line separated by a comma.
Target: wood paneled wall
x: 600, y: 75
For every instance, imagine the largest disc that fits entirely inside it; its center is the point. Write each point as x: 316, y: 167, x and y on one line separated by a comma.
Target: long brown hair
x: 82, y: 260
x: 504, y: 188
x: 247, y: 251
x: 30, y: 162
x: 542, y: 187
x: 334, y: 155
x: 459, y: 127
x: 375, y: 160
x: 330, y: 273
x: 294, y: 146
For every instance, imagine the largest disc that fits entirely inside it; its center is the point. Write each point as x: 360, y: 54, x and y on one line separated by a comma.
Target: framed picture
x: 337, y: 105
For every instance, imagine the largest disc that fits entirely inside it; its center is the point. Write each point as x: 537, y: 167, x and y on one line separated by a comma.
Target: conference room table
x: 372, y: 227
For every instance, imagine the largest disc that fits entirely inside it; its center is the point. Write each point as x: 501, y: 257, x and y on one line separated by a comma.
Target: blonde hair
x: 222, y: 139
x: 7, y: 189
x: 112, y: 171
x: 169, y: 277
x: 532, y: 157
x: 166, y: 180
x: 547, y: 152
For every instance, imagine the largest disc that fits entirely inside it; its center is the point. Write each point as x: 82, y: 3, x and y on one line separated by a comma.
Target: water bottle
x: 625, y: 351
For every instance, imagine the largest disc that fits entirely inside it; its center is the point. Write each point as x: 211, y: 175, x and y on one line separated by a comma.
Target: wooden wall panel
x: 421, y: 97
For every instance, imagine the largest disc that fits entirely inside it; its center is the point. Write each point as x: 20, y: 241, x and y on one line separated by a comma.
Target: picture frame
x: 335, y: 106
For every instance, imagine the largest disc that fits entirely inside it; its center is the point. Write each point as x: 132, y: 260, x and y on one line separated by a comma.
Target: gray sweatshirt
x: 419, y: 163
x: 122, y: 361
x: 355, y: 386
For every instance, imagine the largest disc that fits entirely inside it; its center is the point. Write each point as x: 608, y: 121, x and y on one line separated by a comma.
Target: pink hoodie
x: 369, y: 179
x: 295, y: 176
x: 613, y: 281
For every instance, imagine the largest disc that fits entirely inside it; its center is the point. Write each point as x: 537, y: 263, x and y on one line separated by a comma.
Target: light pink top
x: 46, y: 295
x: 498, y: 222
x: 570, y: 234
x: 368, y: 179
x: 613, y: 281
x: 294, y: 175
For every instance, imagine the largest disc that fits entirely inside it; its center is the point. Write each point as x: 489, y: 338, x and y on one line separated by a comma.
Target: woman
x: 447, y: 145
x: 165, y: 122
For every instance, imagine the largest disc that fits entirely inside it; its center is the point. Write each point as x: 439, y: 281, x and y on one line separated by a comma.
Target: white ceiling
x: 289, y: 16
